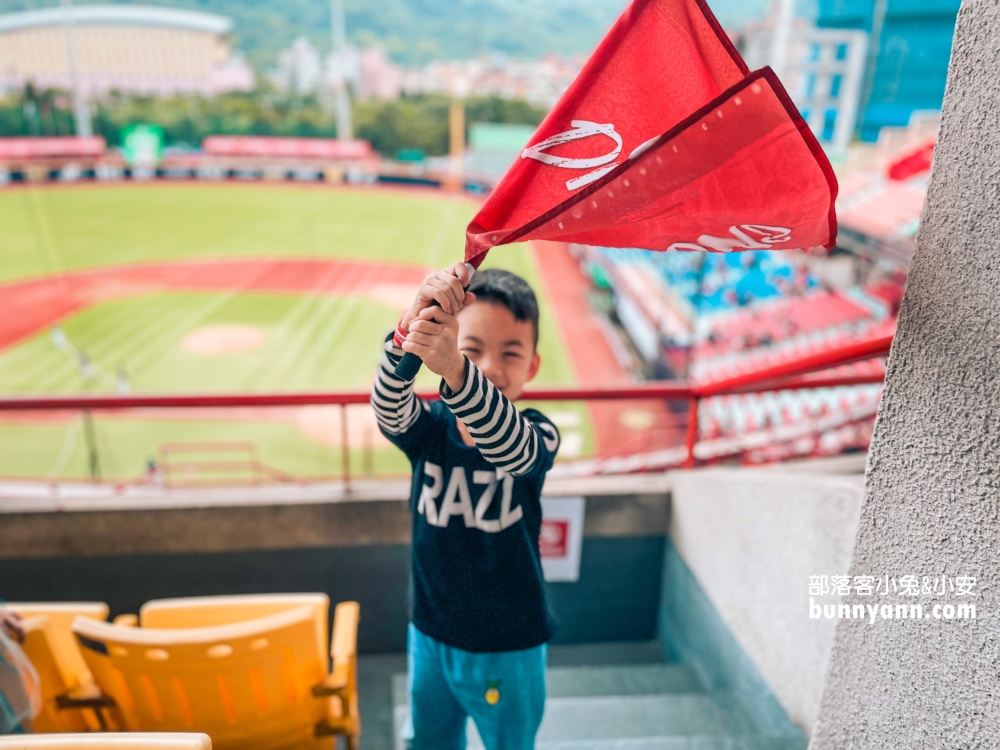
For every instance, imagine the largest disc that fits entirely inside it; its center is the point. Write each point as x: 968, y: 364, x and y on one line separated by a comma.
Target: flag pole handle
x: 409, y: 365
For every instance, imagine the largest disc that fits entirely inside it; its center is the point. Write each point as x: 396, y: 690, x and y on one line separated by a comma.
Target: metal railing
x: 809, y: 372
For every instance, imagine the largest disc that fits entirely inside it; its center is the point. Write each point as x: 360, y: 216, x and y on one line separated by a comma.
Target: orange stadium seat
x: 39, y: 640
x: 61, y: 616
x: 106, y: 741
x: 52, y: 648
x: 207, y: 611
x: 258, y: 684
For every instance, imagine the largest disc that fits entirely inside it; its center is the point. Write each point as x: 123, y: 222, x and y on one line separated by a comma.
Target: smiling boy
x: 479, y: 626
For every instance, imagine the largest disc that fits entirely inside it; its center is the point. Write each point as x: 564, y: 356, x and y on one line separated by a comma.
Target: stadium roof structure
x: 117, y: 15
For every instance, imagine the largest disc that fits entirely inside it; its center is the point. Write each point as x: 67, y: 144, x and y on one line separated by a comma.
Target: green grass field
x: 65, y: 229
x: 311, y: 342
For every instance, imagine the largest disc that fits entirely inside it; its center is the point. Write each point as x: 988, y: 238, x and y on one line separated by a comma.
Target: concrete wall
x: 752, y: 538
x: 126, y: 550
x: 932, y: 495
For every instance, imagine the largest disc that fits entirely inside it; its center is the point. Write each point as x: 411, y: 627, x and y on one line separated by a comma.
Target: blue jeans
x: 503, y: 692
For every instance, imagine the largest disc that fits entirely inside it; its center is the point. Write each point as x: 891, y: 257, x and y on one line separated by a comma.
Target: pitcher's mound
x: 224, y: 339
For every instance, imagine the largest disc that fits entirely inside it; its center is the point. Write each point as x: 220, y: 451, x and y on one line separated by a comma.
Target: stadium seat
x: 259, y: 684
x: 52, y: 648
x: 61, y: 616
x: 107, y: 741
x: 208, y: 611
x: 38, y: 647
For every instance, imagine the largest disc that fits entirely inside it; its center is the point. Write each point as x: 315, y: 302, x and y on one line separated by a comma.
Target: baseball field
x: 221, y: 288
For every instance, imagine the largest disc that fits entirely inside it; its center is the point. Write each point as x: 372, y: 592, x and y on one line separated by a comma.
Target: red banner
x: 278, y: 147
x: 916, y: 161
x: 665, y: 142
x: 51, y: 148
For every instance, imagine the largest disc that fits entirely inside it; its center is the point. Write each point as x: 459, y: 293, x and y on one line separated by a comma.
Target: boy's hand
x: 445, y: 287
x: 434, y: 338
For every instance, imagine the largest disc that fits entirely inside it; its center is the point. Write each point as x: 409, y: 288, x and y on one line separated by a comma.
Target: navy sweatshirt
x: 476, y: 572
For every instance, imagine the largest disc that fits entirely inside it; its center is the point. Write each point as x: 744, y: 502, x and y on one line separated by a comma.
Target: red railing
x: 805, y: 372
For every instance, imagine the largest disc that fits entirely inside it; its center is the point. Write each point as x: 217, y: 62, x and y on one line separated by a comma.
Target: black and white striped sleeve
x: 504, y: 436
x: 397, y: 408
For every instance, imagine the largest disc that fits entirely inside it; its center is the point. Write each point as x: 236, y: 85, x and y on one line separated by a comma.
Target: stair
x: 631, y: 707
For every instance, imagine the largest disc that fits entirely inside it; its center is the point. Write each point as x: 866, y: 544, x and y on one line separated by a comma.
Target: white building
x: 540, y: 82
x: 372, y: 75
x: 822, y: 69
x: 128, y: 48
x: 300, y: 68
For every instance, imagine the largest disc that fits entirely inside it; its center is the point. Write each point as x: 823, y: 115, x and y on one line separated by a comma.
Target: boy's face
x: 502, y: 347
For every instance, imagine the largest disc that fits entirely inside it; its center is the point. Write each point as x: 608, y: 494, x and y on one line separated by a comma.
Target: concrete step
x: 634, y: 707
x: 677, y: 743
x: 670, y: 722
x: 577, y: 682
x: 636, y: 679
x: 635, y: 716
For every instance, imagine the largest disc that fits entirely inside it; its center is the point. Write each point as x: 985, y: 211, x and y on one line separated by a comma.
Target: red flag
x: 665, y: 141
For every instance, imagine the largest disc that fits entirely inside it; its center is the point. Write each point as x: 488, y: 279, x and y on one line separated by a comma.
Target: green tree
x: 408, y: 122
x: 422, y: 121
x: 36, y: 112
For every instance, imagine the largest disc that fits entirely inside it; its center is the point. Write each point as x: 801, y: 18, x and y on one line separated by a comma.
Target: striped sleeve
x: 503, y: 435
x: 396, y: 406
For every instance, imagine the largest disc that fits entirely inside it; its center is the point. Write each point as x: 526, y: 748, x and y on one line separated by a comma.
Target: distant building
x: 909, y: 54
x: 823, y: 73
x: 372, y: 75
x: 379, y: 77
x: 303, y: 70
x: 540, y: 82
x: 129, y: 48
x: 300, y: 68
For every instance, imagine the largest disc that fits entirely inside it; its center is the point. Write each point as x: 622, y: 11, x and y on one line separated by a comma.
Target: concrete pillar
x: 933, y: 478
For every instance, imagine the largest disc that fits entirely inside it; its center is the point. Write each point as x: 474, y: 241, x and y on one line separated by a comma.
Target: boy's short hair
x: 507, y: 289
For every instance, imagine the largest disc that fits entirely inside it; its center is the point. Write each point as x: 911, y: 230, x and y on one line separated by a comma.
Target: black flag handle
x: 409, y: 365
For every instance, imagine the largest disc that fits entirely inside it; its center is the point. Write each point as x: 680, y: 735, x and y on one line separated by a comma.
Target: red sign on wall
x: 554, y: 539
x: 560, y: 541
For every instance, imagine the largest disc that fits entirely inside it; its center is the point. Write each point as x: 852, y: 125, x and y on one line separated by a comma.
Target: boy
x: 479, y: 626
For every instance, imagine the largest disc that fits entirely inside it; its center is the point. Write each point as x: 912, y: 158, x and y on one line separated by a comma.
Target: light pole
x: 456, y: 139
x: 81, y: 111
x: 345, y: 128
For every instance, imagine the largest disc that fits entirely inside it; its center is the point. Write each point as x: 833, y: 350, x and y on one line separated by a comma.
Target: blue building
x: 911, y: 46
